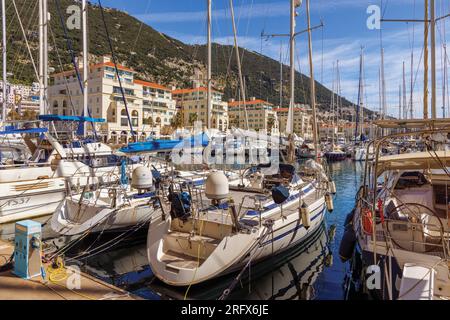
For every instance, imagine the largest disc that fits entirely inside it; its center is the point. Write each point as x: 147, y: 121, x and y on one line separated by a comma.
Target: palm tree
x: 192, y: 118
x: 13, y: 115
x: 177, y: 120
x: 236, y: 121
x: 270, y: 124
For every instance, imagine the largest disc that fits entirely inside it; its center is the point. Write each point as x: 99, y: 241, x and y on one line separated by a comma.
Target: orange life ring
x: 367, y: 220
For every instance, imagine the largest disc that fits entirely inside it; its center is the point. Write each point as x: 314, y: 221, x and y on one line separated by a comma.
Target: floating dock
x: 55, y: 288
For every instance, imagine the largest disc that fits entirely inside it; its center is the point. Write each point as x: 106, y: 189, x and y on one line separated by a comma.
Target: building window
x: 64, y: 106
x: 135, y: 118
x: 123, y: 118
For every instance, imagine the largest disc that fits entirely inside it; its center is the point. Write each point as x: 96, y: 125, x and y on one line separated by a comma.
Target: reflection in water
x: 295, y: 273
x: 307, y: 271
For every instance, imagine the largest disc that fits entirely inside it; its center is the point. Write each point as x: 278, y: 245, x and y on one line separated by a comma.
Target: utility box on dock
x: 27, y: 252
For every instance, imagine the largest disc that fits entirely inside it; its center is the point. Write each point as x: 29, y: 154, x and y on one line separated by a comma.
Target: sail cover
x: 201, y: 140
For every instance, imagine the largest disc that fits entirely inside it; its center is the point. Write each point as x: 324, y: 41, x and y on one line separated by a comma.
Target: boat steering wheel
x: 413, y: 215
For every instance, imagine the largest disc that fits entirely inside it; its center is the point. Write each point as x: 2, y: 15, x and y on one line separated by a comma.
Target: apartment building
x: 260, y: 114
x: 302, y: 120
x: 22, y: 98
x: 144, y: 100
x: 193, y: 104
x: 157, y: 105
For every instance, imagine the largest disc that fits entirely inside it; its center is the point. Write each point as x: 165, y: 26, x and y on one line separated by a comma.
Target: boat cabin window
x: 413, y: 179
x: 441, y: 196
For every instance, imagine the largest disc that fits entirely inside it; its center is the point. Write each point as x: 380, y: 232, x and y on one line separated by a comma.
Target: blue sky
x: 344, y: 33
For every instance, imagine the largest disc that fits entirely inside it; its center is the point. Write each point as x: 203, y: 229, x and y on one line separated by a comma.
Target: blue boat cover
x: 12, y: 130
x: 201, y: 140
x: 55, y: 117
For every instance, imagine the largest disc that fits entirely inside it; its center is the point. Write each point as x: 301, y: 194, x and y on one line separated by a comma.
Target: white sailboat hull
x: 233, y: 251
x: 72, y: 218
x: 30, y: 199
x: 27, y: 193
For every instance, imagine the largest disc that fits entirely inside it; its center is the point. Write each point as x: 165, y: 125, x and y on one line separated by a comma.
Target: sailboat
x: 109, y: 208
x: 400, y: 226
x: 225, y: 227
x: 400, y: 221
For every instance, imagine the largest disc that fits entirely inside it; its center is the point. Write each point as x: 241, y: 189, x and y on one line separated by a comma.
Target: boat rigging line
x: 108, y: 38
x: 269, y: 230
x: 72, y: 55
x: 66, y: 84
x: 26, y: 40
x: 238, y: 61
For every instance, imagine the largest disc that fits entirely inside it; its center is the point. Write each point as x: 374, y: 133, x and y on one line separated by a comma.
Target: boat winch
x: 256, y: 180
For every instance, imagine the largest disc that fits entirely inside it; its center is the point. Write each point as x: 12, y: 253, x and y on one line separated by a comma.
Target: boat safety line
x: 269, y: 230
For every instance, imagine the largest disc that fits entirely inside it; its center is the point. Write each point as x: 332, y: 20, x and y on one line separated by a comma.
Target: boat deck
x: 15, y: 288
x: 179, y: 260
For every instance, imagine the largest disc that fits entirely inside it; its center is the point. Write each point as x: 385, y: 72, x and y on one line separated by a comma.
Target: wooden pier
x: 52, y: 288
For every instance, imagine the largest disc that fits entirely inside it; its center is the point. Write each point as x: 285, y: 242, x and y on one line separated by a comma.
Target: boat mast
x: 281, y: 74
x: 41, y: 57
x: 312, y: 86
x: 411, y: 92
x: 360, y: 94
x: 433, y: 59
x: 45, y: 27
x: 333, y: 88
x: 405, y: 107
x: 425, y: 62
x: 339, y: 101
x: 238, y: 60
x: 379, y: 93
x: 290, y: 119
x: 4, y: 52
x: 85, y: 65
x: 383, y: 86
x: 444, y: 86
x: 208, y: 92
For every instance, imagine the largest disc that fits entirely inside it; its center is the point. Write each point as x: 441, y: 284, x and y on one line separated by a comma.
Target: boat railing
x: 257, y: 205
x: 23, y: 165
